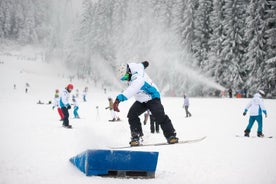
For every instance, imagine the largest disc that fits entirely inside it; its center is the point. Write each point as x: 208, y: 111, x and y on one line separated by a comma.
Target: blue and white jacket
x: 140, y: 85
x: 256, y: 106
x: 64, y: 98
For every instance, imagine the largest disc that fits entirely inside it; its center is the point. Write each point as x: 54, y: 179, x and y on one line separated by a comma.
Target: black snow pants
x: 157, y: 110
x: 66, y: 116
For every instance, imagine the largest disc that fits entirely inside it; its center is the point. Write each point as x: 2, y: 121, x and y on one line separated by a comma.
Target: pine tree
x: 202, y: 32
x: 233, y: 45
x: 257, y: 49
x: 187, y: 26
x: 270, y: 68
x: 216, y: 39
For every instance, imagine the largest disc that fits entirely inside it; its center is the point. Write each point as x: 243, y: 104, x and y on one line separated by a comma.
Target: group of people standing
x: 62, y: 103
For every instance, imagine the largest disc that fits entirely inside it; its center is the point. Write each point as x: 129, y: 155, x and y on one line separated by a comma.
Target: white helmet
x: 121, y: 70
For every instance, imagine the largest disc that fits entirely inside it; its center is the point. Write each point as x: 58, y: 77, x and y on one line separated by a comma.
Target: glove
x: 116, y: 105
x: 244, y: 113
x: 69, y: 107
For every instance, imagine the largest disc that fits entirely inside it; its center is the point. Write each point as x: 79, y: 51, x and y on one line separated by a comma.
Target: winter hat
x: 70, y: 86
x: 261, y: 92
x: 146, y: 64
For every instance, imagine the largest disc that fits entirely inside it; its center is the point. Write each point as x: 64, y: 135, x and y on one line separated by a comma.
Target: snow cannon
x: 116, y: 163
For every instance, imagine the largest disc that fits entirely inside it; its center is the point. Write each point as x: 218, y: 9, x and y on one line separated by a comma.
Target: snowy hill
x: 36, y: 149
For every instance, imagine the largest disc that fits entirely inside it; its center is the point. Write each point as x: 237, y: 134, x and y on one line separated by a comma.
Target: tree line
x: 233, y: 42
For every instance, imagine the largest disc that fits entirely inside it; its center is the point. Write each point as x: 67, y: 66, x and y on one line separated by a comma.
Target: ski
x: 161, y: 143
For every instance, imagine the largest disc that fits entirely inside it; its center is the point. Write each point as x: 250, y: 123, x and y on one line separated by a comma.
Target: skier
x: 56, y: 104
x: 147, y: 97
x: 84, y: 94
x: 257, y: 107
x: 76, y: 107
x: 114, y: 116
x: 65, y: 105
x: 186, y: 106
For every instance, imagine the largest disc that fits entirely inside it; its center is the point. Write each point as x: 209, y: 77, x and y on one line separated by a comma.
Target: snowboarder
x: 76, y: 107
x: 56, y: 104
x: 147, y: 97
x: 186, y: 106
x: 65, y: 105
x: 114, y: 115
x: 257, y: 107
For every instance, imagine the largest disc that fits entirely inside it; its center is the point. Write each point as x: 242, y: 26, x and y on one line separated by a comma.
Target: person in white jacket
x: 256, y: 107
x: 147, y: 97
x: 186, y: 105
x: 65, y: 104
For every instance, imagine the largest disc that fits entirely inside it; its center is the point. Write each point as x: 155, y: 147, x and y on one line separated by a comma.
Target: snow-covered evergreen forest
x: 196, y: 46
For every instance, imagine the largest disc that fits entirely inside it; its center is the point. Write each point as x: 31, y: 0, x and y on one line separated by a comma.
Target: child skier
x: 147, y: 97
x: 56, y: 104
x: 65, y: 105
x: 257, y: 107
x: 76, y: 107
x: 114, y: 116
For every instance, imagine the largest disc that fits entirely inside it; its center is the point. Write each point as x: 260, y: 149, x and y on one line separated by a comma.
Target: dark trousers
x: 187, y: 111
x: 154, y: 126
x: 157, y: 110
x: 66, y: 116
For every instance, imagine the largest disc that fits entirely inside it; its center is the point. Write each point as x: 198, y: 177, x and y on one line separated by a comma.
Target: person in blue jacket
x: 65, y: 104
x: 256, y: 107
x: 147, y: 96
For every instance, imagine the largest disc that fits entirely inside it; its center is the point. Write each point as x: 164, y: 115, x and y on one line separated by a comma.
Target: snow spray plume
x: 147, y: 36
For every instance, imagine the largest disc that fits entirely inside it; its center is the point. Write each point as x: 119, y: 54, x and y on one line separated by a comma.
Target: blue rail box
x: 116, y: 163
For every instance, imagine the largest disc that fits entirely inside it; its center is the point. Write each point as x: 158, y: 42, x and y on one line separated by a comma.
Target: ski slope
x: 36, y: 149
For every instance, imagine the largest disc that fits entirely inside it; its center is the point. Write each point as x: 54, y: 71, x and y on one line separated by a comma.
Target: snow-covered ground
x: 36, y: 149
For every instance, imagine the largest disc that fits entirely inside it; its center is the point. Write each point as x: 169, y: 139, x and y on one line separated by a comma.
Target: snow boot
x: 67, y: 126
x: 260, y: 134
x: 134, y: 141
x: 172, y: 140
x: 246, y: 133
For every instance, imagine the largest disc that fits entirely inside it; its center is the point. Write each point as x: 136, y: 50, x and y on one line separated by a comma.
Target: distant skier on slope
x: 257, y: 107
x: 76, y: 107
x: 186, y: 105
x: 65, y: 105
x: 114, y: 115
x: 147, y: 97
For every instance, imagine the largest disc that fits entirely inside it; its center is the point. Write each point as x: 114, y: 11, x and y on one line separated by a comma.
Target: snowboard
x: 269, y: 137
x: 161, y: 143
